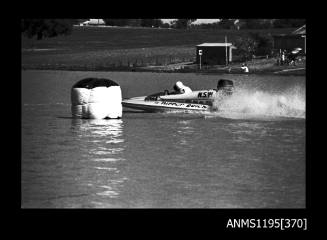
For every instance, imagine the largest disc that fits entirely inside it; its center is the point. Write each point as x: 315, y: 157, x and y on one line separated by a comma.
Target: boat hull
x: 162, y: 105
x: 200, y: 100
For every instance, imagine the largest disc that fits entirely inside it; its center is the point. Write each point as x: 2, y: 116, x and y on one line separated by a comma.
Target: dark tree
x: 134, y: 22
x: 46, y: 28
x: 251, y: 23
x: 157, y: 23
x: 147, y: 22
x: 151, y: 23
x: 264, y: 43
x: 281, y: 23
x: 116, y: 22
x: 297, y: 22
x: 227, y: 23
x: 267, y: 23
x: 245, y: 47
x: 182, y: 23
x: 165, y: 25
x: 288, y: 23
x: 253, y: 44
x: 255, y: 23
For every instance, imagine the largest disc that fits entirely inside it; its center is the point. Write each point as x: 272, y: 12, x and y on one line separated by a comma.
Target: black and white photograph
x: 163, y: 113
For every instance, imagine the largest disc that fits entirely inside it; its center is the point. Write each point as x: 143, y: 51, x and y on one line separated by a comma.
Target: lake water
x: 251, y: 154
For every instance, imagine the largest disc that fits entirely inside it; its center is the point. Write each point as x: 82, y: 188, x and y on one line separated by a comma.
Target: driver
x: 180, y: 88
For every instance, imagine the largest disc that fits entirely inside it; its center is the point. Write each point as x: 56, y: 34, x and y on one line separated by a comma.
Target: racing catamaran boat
x: 200, y: 100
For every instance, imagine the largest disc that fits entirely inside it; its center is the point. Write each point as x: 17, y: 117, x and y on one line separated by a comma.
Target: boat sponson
x: 139, y: 103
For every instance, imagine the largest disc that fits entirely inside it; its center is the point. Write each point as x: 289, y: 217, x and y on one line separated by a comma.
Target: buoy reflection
x: 102, y: 146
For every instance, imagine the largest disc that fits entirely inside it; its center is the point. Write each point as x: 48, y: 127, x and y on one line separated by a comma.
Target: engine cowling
x: 226, y: 86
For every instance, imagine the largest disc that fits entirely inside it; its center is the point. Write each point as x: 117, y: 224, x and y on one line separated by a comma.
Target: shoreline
x: 122, y: 49
x: 278, y: 70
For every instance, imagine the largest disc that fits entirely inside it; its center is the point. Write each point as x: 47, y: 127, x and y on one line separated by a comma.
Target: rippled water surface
x: 250, y: 154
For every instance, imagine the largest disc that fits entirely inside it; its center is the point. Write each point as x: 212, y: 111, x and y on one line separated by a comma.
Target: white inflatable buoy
x: 96, y: 98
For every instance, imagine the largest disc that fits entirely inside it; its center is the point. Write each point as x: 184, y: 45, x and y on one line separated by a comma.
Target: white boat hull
x: 162, y: 105
x: 200, y: 100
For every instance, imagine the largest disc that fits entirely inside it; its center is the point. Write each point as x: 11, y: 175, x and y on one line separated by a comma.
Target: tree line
x: 222, y: 23
x: 45, y: 28
x: 135, y: 22
x: 156, y: 23
x: 251, y: 24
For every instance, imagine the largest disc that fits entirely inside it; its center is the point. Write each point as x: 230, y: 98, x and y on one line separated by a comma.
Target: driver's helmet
x: 178, y: 86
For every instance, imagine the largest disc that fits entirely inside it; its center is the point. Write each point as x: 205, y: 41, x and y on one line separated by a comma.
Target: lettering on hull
x: 205, y: 94
x: 181, y: 105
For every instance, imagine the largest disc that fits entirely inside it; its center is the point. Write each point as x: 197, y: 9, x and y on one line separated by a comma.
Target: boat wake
x: 245, y: 104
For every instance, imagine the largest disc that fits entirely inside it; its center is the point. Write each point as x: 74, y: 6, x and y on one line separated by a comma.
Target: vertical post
x: 226, y: 50
x: 200, y: 53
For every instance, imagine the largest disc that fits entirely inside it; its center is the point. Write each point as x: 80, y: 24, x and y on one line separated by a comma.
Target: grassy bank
x: 130, y: 49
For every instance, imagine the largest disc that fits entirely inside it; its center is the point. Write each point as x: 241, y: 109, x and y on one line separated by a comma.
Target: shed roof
x: 215, y: 45
x: 297, y: 32
x: 301, y: 30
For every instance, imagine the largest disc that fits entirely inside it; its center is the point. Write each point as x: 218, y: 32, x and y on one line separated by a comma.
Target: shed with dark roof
x: 214, y: 53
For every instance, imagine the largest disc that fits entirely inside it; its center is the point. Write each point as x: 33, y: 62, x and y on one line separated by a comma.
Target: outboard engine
x: 225, y: 86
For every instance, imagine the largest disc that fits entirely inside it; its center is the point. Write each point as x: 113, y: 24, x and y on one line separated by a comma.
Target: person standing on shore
x: 245, y: 68
x: 283, y: 58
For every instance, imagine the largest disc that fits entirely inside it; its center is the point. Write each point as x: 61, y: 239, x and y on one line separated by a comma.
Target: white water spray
x: 259, y: 104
